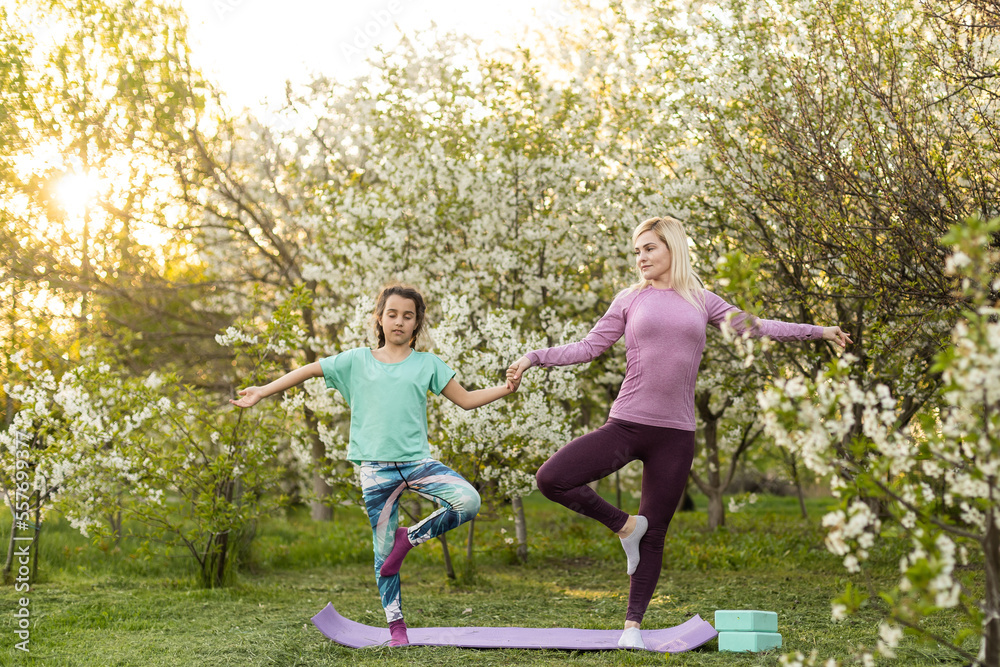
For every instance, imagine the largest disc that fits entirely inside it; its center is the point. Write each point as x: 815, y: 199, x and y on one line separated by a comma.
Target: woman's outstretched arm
x: 251, y: 395
x: 608, y: 330
x: 719, y: 311
x: 837, y: 335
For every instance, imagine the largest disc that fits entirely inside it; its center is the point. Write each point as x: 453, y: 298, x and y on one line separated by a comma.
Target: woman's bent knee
x: 547, y: 481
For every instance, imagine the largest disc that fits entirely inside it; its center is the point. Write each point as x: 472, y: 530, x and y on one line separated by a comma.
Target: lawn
x: 95, y: 606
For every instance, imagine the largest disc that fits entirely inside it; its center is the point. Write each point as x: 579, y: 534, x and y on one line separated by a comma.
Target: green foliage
x: 223, y: 463
x: 104, y: 607
x: 739, y: 274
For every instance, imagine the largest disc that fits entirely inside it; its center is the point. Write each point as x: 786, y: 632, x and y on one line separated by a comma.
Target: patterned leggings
x: 382, y: 483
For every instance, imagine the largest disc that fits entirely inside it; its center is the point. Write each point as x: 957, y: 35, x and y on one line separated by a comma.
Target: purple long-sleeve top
x: 664, y: 342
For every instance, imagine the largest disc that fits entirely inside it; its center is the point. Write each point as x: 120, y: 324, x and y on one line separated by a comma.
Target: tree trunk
x: 320, y: 509
x: 219, y: 576
x: 220, y: 553
x: 685, y: 504
x: 990, y: 653
x: 520, y: 528
x: 716, y: 509
x: 448, y: 567
x: 38, y: 532
x: 793, y: 464
x: 115, y: 523
x: 9, y: 564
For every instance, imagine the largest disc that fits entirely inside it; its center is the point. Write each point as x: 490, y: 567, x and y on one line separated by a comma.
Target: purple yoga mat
x: 688, y: 635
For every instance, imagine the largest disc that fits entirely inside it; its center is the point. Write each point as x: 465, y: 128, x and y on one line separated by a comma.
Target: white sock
x: 631, y: 543
x: 631, y: 638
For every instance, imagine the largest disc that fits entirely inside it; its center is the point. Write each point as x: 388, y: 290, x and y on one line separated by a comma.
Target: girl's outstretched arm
x: 253, y: 394
x: 467, y: 400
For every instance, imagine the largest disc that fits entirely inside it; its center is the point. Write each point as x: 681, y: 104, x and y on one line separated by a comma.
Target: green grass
x: 101, y: 607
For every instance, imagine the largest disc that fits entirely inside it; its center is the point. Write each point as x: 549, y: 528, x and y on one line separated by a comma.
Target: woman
x: 386, y: 389
x: 663, y: 317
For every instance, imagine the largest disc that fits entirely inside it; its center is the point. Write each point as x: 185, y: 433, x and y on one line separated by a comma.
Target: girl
x: 663, y: 318
x: 386, y: 389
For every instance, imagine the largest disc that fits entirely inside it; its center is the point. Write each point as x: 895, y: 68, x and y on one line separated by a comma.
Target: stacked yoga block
x: 747, y: 630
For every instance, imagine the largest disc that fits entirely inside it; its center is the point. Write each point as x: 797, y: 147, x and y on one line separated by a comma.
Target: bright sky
x: 251, y: 47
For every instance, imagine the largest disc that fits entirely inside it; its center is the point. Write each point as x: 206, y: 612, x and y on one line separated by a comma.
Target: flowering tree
x: 499, y: 446
x: 827, y: 141
x: 490, y: 181
x: 820, y: 139
x: 252, y: 193
x: 831, y: 136
x: 934, y: 476
x: 28, y: 443
x: 157, y: 451
x: 725, y: 404
x: 223, y: 462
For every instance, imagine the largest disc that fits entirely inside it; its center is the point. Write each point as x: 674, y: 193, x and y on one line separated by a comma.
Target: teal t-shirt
x: 388, y: 402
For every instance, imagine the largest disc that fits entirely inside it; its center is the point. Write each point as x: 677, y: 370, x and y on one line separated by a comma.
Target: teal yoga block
x: 748, y: 641
x: 746, y: 620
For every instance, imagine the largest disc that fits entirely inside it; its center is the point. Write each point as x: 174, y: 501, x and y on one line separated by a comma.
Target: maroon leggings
x: 666, y: 454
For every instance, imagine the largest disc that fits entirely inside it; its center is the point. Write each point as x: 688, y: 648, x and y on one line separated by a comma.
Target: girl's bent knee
x: 472, y: 507
x: 469, y: 504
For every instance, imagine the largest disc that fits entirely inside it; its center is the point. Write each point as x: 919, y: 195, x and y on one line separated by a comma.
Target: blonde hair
x: 682, y: 277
